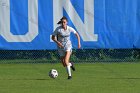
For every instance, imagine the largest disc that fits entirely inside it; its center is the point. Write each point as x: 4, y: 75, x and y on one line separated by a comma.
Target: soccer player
x: 61, y: 36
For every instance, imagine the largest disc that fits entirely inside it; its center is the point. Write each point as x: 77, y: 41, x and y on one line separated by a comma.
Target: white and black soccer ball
x: 53, y: 73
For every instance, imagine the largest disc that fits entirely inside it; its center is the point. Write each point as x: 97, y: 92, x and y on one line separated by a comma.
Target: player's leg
x: 71, y: 63
x: 72, y: 66
x: 62, y: 56
x: 63, y: 60
x: 67, y: 57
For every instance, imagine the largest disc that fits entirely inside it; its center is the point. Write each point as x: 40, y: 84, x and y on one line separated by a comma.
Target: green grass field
x: 88, y: 78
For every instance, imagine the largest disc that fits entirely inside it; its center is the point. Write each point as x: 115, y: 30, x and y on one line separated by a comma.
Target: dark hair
x: 62, y: 19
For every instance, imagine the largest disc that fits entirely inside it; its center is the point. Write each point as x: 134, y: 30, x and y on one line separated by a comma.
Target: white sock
x: 70, y: 64
x: 68, y: 70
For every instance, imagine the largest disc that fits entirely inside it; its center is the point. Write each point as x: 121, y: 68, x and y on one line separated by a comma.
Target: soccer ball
x: 53, y: 73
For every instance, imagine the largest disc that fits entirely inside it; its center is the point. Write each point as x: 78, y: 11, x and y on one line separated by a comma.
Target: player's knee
x: 67, y: 63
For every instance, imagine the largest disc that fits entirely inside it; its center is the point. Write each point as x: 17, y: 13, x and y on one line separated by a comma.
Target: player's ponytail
x: 60, y: 22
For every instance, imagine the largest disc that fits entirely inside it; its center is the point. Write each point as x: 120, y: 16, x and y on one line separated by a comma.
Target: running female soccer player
x: 61, y: 36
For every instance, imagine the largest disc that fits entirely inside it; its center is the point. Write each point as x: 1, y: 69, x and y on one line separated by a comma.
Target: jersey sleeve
x: 72, y: 30
x: 55, y: 32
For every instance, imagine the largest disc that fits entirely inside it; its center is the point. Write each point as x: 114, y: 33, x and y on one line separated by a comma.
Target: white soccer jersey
x: 63, y: 36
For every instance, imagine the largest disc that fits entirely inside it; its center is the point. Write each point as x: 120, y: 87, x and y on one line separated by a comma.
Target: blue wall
x: 116, y: 22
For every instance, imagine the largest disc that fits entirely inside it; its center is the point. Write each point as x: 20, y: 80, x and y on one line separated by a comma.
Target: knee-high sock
x: 68, y: 70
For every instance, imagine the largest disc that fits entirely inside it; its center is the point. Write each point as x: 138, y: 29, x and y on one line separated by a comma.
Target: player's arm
x: 78, y: 37
x: 57, y: 42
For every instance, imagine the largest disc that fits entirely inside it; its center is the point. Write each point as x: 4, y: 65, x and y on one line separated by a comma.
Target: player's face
x: 64, y: 23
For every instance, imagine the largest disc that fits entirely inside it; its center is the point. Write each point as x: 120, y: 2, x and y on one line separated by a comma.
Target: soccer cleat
x: 72, y: 67
x: 69, y: 77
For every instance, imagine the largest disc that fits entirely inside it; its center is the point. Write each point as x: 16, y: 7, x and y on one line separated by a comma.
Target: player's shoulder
x: 70, y: 28
x: 59, y: 27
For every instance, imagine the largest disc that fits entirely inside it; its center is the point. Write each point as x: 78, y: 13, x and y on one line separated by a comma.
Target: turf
x: 88, y: 78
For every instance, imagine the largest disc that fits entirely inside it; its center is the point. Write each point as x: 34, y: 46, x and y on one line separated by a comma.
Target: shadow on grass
x: 123, y: 78
x: 26, y: 79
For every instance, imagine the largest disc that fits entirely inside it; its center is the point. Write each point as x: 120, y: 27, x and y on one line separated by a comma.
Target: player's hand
x: 60, y: 45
